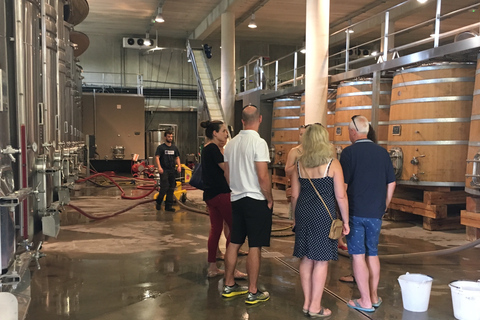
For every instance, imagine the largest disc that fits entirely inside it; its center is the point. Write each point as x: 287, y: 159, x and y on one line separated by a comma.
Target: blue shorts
x: 364, y: 235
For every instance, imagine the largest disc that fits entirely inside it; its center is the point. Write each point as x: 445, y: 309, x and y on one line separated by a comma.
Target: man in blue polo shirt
x: 370, y: 182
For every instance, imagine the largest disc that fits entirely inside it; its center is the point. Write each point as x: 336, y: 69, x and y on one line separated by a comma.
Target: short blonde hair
x: 317, y: 150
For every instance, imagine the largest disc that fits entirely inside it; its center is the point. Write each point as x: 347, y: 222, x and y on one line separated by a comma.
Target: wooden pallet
x: 471, y: 218
x: 439, y: 206
x: 279, y: 180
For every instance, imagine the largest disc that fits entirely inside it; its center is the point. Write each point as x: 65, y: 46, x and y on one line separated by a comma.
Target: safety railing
x: 421, y: 26
x: 108, y: 81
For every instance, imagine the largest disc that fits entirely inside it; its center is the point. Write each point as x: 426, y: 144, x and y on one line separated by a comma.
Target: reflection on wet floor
x: 146, y: 264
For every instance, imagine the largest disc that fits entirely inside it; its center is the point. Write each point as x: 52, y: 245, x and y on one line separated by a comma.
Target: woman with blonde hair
x: 318, y: 174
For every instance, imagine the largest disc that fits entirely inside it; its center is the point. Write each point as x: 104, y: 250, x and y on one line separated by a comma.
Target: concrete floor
x: 152, y: 265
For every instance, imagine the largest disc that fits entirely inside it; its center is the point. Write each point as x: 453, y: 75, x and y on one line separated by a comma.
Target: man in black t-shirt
x: 166, y: 158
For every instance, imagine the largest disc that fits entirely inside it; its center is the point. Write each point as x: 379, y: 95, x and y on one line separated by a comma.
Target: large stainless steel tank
x: 155, y: 138
x: 62, y: 93
x: 28, y: 90
x: 7, y: 223
x: 49, y: 73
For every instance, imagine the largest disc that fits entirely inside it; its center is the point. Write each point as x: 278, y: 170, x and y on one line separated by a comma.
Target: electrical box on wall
x: 138, y: 43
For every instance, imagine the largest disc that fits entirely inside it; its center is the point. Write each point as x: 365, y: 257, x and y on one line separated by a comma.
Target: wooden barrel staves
x: 331, y: 104
x: 429, y: 123
x: 285, y: 127
x: 355, y: 98
x: 472, y: 181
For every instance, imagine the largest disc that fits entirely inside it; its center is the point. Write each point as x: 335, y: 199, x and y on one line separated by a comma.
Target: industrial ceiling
x: 278, y: 21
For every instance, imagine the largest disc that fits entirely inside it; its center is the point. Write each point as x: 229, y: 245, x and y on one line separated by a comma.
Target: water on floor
x: 148, y: 264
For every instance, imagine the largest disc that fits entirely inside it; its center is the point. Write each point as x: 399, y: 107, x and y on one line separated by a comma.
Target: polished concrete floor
x: 151, y: 265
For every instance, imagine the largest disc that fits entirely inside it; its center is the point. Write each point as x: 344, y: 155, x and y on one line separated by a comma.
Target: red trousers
x: 220, y: 210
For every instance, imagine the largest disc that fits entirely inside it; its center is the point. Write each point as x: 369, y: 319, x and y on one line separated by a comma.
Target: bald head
x: 250, y: 115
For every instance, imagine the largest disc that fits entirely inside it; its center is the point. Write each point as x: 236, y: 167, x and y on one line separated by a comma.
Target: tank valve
x: 157, y: 178
x: 414, y: 178
x: 10, y: 151
x: 26, y: 244
x: 415, y: 161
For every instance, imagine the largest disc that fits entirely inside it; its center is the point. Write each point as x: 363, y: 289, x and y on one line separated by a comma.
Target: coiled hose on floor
x: 389, y: 257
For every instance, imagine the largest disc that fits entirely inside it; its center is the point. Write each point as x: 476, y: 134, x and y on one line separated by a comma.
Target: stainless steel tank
x: 7, y: 223
x: 49, y: 72
x: 155, y: 138
x: 70, y: 82
x: 62, y: 94
x: 28, y: 90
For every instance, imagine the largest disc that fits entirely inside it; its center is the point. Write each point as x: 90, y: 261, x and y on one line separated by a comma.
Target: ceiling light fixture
x: 159, y: 17
x: 304, y: 49
x: 349, y: 31
x: 252, y: 23
x: 422, y: 1
x: 147, y: 42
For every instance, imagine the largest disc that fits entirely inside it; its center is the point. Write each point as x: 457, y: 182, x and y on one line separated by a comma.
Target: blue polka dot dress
x: 312, y: 221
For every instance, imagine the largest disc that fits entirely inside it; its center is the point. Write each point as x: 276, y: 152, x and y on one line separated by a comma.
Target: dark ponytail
x: 211, y: 126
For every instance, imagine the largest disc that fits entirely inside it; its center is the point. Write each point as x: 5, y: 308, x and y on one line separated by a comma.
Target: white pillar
x: 228, y: 66
x: 316, y: 61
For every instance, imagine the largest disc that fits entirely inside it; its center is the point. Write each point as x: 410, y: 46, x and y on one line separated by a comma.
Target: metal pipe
x: 94, y: 114
x: 295, y: 58
x: 347, y: 49
x: 385, y: 36
x: 276, y: 75
x: 44, y: 71
x: 437, y: 23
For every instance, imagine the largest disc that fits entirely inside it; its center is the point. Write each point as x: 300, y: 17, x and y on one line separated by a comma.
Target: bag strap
x: 318, y: 194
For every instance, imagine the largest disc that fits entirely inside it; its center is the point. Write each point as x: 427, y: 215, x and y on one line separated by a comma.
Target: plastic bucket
x: 415, y: 291
x: 466, y: 299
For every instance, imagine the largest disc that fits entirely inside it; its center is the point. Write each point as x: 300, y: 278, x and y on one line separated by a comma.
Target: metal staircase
x: 206, y: 85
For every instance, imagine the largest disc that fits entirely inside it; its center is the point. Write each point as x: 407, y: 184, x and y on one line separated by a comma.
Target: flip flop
x: 357, y: 306
x: 347, y: 281
x: 376, y: 305
x: 319, y: 314
x: 239, y: 275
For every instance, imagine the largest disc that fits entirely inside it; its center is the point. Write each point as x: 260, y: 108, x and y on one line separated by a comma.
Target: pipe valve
x: 415, y: 161
x: 10, y: 152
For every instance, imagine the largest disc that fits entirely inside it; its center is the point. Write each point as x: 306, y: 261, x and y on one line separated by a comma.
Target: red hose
x: 110, y: 215
x: 118, y: 186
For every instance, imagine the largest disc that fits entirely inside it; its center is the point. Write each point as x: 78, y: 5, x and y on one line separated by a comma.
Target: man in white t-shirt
x: 246, y: 170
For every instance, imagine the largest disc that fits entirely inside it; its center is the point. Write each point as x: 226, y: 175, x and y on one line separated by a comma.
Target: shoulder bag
x: 336, y: 227
x: 196, y: 180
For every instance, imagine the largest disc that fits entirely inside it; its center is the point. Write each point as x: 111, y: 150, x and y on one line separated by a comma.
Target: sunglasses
x: 353, y: 120
x: 309, y: 125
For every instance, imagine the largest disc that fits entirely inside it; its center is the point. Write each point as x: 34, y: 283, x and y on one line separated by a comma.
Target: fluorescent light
x: 252, y: 23
x: 349, y: 31
x: 422, y: 1
x: 159, y: 17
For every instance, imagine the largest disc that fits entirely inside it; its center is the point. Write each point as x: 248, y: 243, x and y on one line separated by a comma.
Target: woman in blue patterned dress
x: 312, y: 220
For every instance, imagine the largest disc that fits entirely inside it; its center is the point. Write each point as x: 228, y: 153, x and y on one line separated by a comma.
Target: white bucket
x: 415, y: 291
x: 466, y: 300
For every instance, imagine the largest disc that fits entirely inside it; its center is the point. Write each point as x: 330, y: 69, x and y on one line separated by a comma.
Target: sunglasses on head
x: 309, y: 125
x: 353, y: 120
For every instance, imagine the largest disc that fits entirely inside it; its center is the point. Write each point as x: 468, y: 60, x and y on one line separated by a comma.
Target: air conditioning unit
x: 356, y: 53
x: 138, y: 43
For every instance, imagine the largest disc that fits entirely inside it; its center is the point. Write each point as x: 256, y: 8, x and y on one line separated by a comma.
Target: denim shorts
x: 364, y: 235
